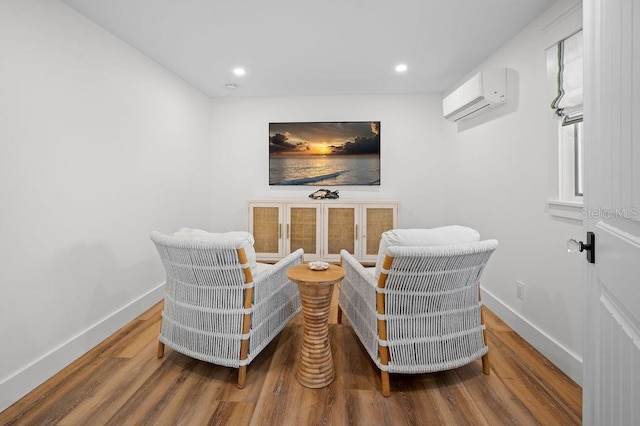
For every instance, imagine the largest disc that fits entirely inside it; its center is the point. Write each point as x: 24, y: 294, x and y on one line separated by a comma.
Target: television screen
x: 323, y: 154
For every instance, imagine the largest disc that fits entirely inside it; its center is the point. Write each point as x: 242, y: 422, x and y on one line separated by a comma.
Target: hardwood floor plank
x: 523, y: 382
x: 146, y: 332
x: 231, y: 413
x: 121, y: 381
x: 450, y: 405
x: 547, y: 374
x: 492, y: 397
x: 118, y: 389
x: 152, y: 395
x: 360, y: 372
x: 194, y: 402
x: 282, y: 395
x: 366, y: 407
x: 153, y: 313
x: 73, y: 385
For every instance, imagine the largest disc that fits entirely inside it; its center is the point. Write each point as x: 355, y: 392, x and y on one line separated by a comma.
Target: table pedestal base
x: 315, y: 365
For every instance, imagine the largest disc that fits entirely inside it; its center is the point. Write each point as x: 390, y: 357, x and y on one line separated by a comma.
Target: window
x: 564, y: 64
x: 571, y: 162
x: 578, y: 159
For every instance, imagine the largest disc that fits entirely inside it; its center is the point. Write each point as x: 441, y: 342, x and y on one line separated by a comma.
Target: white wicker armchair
x: 423, y: 313
x: 215, y: 308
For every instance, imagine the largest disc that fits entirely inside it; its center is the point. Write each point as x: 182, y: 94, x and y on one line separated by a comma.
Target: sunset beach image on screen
x: 324, y: 153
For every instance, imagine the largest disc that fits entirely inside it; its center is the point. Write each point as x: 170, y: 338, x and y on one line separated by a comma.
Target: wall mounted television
x: 324, y: 153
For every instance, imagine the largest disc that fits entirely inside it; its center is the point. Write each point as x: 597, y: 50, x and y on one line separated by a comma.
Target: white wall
x: 99, y: 146
x: 500, y: 174
x: 411, y: 152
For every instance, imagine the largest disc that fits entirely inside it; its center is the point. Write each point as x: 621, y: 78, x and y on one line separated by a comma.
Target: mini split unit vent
x: 481, y: 92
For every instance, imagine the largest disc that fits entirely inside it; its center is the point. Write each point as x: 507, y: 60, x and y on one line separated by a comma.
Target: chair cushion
x: 245, y: 237
x: 443, y: 236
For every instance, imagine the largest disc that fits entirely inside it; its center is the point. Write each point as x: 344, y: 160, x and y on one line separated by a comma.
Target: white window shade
x: 568, y: 100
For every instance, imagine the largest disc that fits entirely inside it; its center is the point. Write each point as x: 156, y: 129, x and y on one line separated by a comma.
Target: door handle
x: 574, y: 246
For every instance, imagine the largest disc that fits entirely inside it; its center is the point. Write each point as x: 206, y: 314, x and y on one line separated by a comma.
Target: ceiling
x: 301, y: 47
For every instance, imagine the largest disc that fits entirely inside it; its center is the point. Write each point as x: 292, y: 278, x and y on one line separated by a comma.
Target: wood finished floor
x: 121, y: 382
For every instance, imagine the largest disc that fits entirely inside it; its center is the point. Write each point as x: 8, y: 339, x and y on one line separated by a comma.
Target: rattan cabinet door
x: 303, y: 229
x: 265, y: 224
x: 376, y: 219
x: 340, y: 231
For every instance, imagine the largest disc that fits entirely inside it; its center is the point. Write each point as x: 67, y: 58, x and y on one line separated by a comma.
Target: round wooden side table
x: 315, y: 364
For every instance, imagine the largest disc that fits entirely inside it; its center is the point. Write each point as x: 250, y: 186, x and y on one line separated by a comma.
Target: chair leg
x: 486, y: 366
x: 339, y: 315
x: 384, y: 383
x: 160, y: 349
x: 242, y: 376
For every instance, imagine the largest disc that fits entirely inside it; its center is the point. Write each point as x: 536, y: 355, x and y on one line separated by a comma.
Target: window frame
x: 571, y: 164
x: 563, y: 203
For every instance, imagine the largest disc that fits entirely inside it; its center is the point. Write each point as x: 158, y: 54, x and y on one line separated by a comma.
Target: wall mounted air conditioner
x: 480, y: 93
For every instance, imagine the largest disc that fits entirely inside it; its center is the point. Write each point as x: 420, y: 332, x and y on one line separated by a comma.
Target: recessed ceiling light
x: 239, y: 71
x: 401, y: 67
x: 231, y: 86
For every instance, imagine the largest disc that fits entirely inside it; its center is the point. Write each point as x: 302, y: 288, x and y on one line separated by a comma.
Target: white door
x: 611, y: 381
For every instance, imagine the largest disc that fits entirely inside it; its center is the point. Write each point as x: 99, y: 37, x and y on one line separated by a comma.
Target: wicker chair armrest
x: 353, y: 267
x: 282, y: 265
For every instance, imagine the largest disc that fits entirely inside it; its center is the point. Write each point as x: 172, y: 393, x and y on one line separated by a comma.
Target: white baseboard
x: 561, y: 357
x: 36, y: 373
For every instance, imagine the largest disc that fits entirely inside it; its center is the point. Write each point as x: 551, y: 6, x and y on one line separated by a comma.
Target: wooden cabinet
x: 321, y: 227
